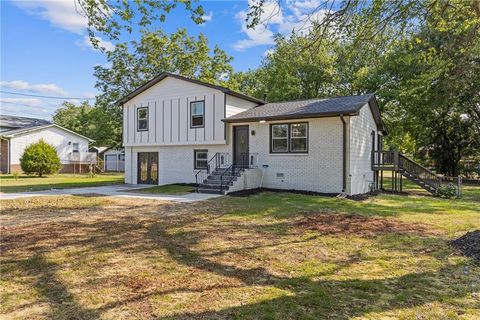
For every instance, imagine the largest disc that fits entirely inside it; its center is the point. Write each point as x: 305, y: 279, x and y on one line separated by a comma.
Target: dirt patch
x: 354, y: 224
x: 469, y: 245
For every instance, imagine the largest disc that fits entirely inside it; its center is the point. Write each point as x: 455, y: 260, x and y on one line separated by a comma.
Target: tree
x: 40, y: 158
x: 91, y: 121
x: 111, y: 17
x: 359, y: 20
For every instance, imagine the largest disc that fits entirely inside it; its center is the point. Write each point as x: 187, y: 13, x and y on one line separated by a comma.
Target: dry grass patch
x: 268, y: 256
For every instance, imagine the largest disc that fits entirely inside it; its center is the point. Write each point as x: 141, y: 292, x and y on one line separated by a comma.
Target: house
x: 113, y: 158
x: 180, y: 130
x: 19, y: 132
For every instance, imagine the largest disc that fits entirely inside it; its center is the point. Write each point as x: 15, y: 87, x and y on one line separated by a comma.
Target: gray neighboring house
x: 16, y: 133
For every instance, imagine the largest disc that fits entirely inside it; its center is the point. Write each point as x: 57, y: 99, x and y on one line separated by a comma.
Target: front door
x: 240, y: 145
x: 147, y: 168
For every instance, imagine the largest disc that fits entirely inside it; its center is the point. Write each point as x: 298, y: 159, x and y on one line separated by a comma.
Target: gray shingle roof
x: 304, y: 108
x: 20, y: 122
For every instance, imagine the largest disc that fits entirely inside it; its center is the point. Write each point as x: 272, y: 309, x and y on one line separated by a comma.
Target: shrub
x: 447, y: 191
x: 40, y: 158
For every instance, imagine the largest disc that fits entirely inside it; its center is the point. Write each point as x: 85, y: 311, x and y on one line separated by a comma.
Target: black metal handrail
x: 216, y: 161
x: 231, y: 168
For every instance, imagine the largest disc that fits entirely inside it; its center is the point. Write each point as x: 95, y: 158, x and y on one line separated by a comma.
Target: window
x: 142, y: 119
x: 75, y: 147
x: 200, y: 159
x: 197, y: 114
x: 289, y: 138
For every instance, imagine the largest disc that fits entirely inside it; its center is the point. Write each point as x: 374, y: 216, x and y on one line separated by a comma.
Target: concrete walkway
x: 122, y: 191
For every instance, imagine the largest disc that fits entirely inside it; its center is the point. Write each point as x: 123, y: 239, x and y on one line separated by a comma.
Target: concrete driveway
x: 122, y: 191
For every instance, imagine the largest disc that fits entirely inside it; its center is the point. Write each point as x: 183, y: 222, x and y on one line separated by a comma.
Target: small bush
x: 40, y: 158
x: 447, y: 191
x: 15, y: 175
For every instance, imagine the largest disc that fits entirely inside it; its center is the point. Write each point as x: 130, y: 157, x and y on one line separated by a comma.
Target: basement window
x: 200, y: 159
x: 142, y: 119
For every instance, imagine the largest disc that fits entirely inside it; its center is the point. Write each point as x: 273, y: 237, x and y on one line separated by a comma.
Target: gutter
x: 344, y: 160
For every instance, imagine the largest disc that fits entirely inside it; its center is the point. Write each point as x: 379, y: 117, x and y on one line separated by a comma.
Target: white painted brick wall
x: 320, y: 170
x: 361, y: 150
x: 250, y: 179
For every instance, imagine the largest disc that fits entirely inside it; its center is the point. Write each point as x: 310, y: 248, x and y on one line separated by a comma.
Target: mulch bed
x: 358, y: 225
x: 469, y: 245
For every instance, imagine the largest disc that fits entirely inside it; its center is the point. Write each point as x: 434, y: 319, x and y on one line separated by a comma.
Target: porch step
x: 219, y: 181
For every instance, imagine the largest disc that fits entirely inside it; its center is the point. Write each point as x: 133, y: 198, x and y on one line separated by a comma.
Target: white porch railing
x: 82, y: 157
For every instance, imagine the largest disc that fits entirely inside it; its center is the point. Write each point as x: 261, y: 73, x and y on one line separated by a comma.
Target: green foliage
x: 15, y: 175
x: 40, y: 158
x: 91, y: 121
x: 447, y: 191
x: 110, y: 18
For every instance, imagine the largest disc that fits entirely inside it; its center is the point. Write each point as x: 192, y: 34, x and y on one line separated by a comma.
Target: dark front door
x: 240, y: 145
x: 147, y: 168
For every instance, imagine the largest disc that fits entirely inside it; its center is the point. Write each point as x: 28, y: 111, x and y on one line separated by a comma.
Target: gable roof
x: 20, y: 122
x: 14, y: 132
x: 311, y: 108
x: 164, y: 75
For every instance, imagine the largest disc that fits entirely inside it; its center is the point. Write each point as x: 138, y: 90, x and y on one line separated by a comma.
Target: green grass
x: 173, y: 189
x: 266, y: 256
x: 9, y: 184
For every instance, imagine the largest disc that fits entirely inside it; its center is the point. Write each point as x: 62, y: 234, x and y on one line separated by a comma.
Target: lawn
x: 9, y: 183
x: 266, y: 256
x: 172, y: 189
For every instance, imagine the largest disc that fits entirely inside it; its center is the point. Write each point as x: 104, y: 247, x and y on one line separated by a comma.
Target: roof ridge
x: 324, y: 98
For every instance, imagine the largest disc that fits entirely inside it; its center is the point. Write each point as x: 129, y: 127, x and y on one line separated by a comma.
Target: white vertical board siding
x: 236, y: 105
x: 175, y: 163
x: 169, y: 115
x: 55, y: 136
x: 361, y: 127
x: 320, y: 170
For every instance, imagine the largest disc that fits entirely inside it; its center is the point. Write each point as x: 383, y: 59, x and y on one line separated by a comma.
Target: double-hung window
x: 197, y: 114
x: 75, y: 147
x: 142, y: 119
x: 289, y: 138
x: 200, y: 159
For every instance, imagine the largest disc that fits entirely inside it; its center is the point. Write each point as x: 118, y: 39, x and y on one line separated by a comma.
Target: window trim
x: 138, y: 118
x: 195, y: 151
x: 289, y: 137
x: 191, y: 115
x: 73, y: 147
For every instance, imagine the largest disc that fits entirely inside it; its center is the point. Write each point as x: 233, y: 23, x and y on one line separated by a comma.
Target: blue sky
x: 44, y: 49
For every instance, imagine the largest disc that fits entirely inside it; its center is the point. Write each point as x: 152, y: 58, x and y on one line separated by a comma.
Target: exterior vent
x: 280, y: 175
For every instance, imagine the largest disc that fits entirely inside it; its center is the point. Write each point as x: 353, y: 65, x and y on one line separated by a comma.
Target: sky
x: 45, y: 50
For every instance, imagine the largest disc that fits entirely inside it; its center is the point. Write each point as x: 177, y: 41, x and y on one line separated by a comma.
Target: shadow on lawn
x: 303, y: 297
x: 339, y: 299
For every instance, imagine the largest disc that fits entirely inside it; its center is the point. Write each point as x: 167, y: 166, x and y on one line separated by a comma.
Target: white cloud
x: 86, y: 44
x: 42, y: 88
x: 207, y: 17
x: 30, y: 102
x: 298, y: 16
x: 61, y: 13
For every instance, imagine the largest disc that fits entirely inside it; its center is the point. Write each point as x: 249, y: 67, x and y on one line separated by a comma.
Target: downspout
x: 344, y: 162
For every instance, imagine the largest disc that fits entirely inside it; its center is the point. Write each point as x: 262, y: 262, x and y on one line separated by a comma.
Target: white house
x: 19, y: 132
x: 179, y: 130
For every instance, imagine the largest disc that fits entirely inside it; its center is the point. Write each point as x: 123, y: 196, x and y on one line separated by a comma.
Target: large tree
x: 93, y: 122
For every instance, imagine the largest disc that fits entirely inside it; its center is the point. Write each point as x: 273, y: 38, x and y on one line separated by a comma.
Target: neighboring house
x: 113, y: 158
x: 179, y: 130
x: 19, y: 132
